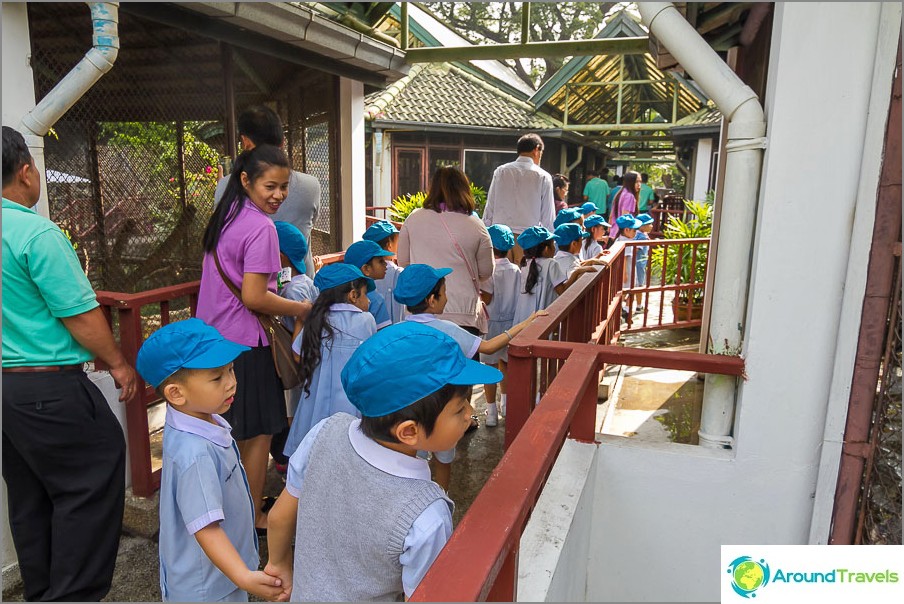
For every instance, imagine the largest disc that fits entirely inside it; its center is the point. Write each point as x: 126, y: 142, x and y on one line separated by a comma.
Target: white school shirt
x: 202, y: 482
x: 629, y: 261
x: 351, y: 326
x: 468, y: 342
x: 506, y: 285
x: 299, y: 289
x: 520, y: 196
x: 386, y: 286
x: 544, y: 292
x: 430, y: 530
x: 567, y: 261
x: 592, y: 251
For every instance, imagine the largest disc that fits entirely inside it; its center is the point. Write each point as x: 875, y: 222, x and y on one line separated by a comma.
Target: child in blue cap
x: 568, y: 215
x: 338, y: 324
x: 587, y: 209
x: 596, y: 226
x: 384, y: 234
x: 422, y: 289
x: 628, y: 226
x: 208, y: 546
x: 569, y: 239
x: 505, y: 285
x: 643, y: 251
x: 542, y: 278
x: 370, y: 259
x: 366, y: 519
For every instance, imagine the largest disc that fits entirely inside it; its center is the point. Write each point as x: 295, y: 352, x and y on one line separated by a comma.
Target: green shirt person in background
x: 596, y: 191
x: 63, y: 449
x: 647, y: 195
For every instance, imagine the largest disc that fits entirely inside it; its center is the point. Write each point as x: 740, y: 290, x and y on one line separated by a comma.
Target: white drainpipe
x: 744, y: 158
x: 96, y: 62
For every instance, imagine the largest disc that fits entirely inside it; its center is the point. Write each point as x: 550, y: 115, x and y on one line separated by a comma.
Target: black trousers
x: 64, y: 467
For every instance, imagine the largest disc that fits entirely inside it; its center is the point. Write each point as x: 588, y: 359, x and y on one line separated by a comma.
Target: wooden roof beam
x: 569, y: 48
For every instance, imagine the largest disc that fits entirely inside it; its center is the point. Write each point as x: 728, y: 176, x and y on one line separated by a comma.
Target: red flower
x: 208, y: 169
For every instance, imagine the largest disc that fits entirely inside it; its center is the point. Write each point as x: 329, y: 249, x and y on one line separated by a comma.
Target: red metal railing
x: 553, y: 376
x: 132, y: 317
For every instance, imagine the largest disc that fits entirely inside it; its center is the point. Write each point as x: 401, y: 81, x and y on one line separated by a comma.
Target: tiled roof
x: 705, y: 116
x: 445, y: 94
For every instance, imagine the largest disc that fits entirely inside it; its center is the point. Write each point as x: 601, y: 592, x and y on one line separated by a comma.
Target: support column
x: 351, y: 160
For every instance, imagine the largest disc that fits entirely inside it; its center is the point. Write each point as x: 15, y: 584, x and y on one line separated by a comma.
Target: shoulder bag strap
x: 474, y: 280
x: 262, y: 319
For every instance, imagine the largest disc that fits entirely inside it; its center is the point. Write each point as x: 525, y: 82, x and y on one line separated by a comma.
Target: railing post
x: 583, y: 425
x: 130, y: 337
x: 505, y: 588
x: 518, y: 385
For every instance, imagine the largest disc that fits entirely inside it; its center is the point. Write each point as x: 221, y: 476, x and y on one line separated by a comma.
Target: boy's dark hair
x: 592, y: 174
x: 179, y: 377
x: 421, y: 307
x: 15, y: 154
x: 529, y: 142
x: 385, y: 241
x: 261, y: 125
x: 423, y: 412
x: 644, y: 177
x: 499, y: 253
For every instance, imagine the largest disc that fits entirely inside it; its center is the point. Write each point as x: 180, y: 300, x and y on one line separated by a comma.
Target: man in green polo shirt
x: 647, y: 195
x: 63, y: 449
x: 596, y: 191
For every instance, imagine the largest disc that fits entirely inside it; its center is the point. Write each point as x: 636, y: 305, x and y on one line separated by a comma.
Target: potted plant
x: 681, y: 263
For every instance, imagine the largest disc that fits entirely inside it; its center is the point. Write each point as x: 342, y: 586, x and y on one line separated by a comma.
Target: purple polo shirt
x: 248, y: 244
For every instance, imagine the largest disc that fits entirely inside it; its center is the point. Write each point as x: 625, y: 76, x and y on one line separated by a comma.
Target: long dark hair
x: 629, y: 181
x: 451, y: 187
x: 533, y: 273
x: 252, y: 163
x: 317, y: 328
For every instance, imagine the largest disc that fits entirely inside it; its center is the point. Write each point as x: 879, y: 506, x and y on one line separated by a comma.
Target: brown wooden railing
x: 553, y: 376
x: 132, y: 318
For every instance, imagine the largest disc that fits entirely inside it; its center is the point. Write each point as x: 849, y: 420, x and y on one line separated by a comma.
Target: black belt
x: 42, y: 369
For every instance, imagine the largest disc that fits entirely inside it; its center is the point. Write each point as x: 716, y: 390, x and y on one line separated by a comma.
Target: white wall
x: 351, y: 159
x: 382, y: 168
x: 703, y: 160
x: 663, y: 511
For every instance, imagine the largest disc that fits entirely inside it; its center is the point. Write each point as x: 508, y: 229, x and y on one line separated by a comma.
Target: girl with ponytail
x: 242, y: 239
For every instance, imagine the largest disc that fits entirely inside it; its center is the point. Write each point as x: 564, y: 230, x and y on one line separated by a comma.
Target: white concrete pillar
x: 351, y: 160
x: 702, y: 165
x: 19, y: 87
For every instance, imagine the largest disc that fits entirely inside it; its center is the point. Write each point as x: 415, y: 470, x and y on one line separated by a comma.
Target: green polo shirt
x: 596, y: 190
x: 42, y: 282
x: 646, y: 196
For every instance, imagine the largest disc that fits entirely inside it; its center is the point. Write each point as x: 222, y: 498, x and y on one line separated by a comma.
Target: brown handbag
x: 280, y: 338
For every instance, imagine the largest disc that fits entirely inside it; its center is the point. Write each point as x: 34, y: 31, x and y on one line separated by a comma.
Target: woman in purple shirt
x: 242, y: 236
x: 625, y: 202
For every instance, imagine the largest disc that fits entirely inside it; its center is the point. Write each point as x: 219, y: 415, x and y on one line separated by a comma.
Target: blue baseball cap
x: 566, y: 233
x: 379, y: 231
x: 645, y: 219
x: 361, y: 252
x: 188, y: 344
x: 534, y: 236
x: 428, y: 359
x: 627, y: 221
x: 588, y: 208
x: 292, y: 243
x: 502, y: 237
x: 338, y: 273
x: 595, y: 220
x: 416, y: 282
x: 567, y: 215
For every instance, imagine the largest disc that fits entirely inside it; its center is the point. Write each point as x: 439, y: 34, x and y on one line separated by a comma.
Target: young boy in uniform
x: 208, y: 546
x: 643, y: 251
x: 628, y: 226
x: 367, y: 520
x: 384, y: 234
x: 370, y: 259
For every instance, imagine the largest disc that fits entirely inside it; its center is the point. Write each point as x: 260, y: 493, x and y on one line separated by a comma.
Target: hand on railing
x: 318, y: 263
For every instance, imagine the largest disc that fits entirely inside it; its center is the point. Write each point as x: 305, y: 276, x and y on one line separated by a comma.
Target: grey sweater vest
x: 352, y: 522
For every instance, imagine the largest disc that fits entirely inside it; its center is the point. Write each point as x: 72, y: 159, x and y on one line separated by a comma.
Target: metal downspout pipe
x: 96, y: 62
x: 743, y: 166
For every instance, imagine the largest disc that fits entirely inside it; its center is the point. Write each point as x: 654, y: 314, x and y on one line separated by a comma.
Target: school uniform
x: 370, y: 520
x: 591, y: 250
x: 351, y: 326
x: 640, y: 263
x: 386, y: 286
x: 544, y: 292
x: 299, y: 288
x: 202, y: 482
x: 567, y: 261
x: 629, y: 261
x: 378, y: 309
x: 506, y: 285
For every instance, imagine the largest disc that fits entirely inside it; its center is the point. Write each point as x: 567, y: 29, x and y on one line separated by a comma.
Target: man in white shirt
x: 521, y: 193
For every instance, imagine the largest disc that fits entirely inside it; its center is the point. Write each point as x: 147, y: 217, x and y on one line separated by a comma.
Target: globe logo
x: 748, y: 575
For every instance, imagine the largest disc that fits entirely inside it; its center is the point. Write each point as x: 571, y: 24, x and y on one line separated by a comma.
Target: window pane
x: 410, y: 168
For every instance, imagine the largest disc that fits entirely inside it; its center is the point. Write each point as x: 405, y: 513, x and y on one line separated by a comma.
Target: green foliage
x: 480, y: 198
x: 657, y: 173
x: 403, y: 205
x: 699, y: 224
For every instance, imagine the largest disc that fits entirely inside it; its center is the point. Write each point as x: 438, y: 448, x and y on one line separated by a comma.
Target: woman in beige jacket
x: 445, y: 234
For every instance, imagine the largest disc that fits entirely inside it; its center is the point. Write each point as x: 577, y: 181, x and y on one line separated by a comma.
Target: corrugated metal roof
x: 707, y: 116
x: 445, y: 94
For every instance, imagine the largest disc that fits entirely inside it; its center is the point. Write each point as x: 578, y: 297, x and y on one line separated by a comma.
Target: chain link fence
x: 132, y: 166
